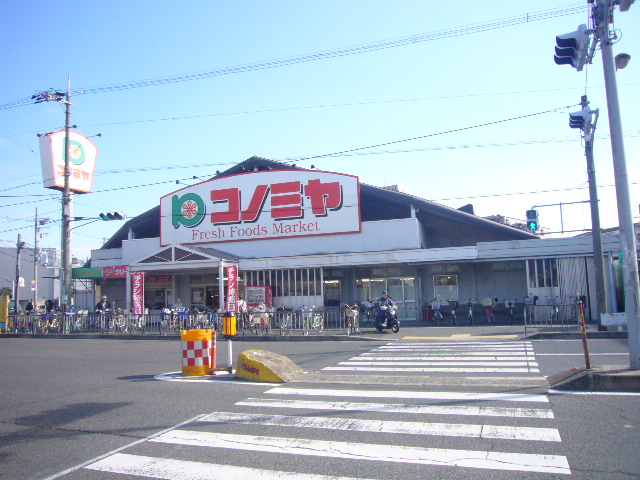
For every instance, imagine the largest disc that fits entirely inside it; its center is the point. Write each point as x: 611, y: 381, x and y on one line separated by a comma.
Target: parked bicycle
x: 286, y: 322
x: 351, y: 318
x: 554, y: 314
x: 435, y: 311
x: 313, y: 320
x: 261, y: 319
x: 469, y: 303
x: 489, y: 305
x: 510, y: 305
x: 367, y: 313
x: 453, y: 307
x: 530, y: 303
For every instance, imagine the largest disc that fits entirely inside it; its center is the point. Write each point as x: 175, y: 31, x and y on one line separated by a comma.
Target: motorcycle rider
x: 381, y: 317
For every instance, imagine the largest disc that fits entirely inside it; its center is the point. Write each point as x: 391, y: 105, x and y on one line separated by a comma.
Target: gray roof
x: 445, y: 226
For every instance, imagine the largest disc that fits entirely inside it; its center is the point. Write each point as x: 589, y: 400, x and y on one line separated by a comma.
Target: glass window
x: 554, y: 272
x: 540, y: 273
x: 532, y: 273
x: 197, y: 296
x: 446, y: 287
x: 394, y: 288
x: 547, y: 272
x: 409, y: 289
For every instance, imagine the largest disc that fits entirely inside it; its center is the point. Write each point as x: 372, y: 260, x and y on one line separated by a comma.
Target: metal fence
x: 561, y: 315
x: 258, y: 322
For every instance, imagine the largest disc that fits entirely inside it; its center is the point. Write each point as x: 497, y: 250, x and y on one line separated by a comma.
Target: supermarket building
x: 322, y: 238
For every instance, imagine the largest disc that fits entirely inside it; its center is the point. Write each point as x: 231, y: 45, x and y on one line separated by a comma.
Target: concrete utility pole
x: 16, y: 297
x: 602, y: 13
x: 66, y: 208
x: 596, y: 231
x: 35, y: 265
x: 67, y: 196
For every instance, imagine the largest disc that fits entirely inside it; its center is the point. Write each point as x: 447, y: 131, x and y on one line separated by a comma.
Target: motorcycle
x: 390, y: 319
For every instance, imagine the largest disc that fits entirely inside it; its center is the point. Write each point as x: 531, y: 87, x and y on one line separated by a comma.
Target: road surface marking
x: 468, y: 410
x: 478, y: 363
x: 169, y: 469
x: 397, y: 394
x: 434, y: 369
x: 526, y: 462
x: 461, y: 337
x: 388, y: 426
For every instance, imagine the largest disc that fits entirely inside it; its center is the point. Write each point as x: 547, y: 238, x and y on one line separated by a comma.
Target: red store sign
x: 119, y: 271
x: 261, y: 205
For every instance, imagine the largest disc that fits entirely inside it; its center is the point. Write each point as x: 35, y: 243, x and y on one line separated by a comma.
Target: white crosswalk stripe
x: 464, y: 410
x: 463, y: 357
x: 510, y: 431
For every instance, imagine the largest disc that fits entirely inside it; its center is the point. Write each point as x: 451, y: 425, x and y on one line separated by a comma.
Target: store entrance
x: 205, y: 296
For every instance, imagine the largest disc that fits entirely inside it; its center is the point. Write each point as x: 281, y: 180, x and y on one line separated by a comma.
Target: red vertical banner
x: 268, y: 296
x: 137, y: 279
x: 232, y: 288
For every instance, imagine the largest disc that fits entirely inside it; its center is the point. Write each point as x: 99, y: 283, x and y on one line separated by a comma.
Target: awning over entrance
x: 183, y: 258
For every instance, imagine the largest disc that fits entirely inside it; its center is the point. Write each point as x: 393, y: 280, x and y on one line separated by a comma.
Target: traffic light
x: 532, y: 220
x: 571, y: 48
x: 580, y: 119
x: 113, y: 216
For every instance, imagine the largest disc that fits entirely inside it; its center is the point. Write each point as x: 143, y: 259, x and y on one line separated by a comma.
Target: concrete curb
x: 600, y: 378
x: 574, y: 335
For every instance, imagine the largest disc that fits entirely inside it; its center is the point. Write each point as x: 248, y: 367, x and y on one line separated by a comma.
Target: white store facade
x: 323, y: 238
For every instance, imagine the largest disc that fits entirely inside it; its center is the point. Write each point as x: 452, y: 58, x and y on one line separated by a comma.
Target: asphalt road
x: 66, y: 402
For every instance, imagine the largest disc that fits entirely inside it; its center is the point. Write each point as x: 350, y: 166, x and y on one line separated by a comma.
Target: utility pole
x: 35, y: 265
x: 596, y: 232
x: 67, y: 196
x: 66, y: 208
x: 602, y: 13
x: 16, y: 297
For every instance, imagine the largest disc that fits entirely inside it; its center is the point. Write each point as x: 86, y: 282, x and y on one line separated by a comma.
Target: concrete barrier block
x: 263, y: 366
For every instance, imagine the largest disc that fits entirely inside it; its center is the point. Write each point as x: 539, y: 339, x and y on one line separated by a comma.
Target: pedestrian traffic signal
x: 571, y: 48
x: 580, y: 119
x: 533, y: 223
x: 113, y: 216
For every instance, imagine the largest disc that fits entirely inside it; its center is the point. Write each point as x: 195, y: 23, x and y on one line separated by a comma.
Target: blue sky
x: 165, y: 132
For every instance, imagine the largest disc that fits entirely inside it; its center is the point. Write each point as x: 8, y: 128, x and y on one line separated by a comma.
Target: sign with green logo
x: 187, y: 210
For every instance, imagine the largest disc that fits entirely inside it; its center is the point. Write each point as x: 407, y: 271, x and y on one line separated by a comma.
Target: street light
x: 622, y: 60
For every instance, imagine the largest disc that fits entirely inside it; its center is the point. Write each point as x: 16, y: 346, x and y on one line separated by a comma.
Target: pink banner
x: 232, y: 288
x: 137, y: 279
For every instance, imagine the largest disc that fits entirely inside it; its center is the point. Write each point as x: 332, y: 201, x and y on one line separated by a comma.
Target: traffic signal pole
x: 625, y: 217
x: 596, y: 232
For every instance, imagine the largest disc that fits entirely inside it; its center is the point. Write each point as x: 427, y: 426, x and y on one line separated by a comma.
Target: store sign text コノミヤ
x: 260, y: 205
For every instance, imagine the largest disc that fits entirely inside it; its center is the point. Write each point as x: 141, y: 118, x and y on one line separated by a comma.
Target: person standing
x: 103, y: 305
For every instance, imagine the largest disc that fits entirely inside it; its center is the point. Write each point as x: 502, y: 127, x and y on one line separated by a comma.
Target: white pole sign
x: 82, y: 161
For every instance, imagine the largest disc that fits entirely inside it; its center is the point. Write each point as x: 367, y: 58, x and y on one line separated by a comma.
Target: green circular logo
x: 76, y: 152
x: 187, y: 210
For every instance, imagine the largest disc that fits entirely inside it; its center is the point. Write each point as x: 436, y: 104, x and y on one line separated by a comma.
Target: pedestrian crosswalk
x: 460, y: 357
x: 314, y: 431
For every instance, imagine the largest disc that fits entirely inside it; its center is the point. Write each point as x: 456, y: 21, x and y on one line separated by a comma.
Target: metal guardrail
x: 287, y: 322
x: 561, y: 315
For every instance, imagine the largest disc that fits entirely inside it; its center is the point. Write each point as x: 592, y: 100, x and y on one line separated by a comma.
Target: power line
x: 327, y: 54
x: 434, y: 134
x: 308, y: 107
